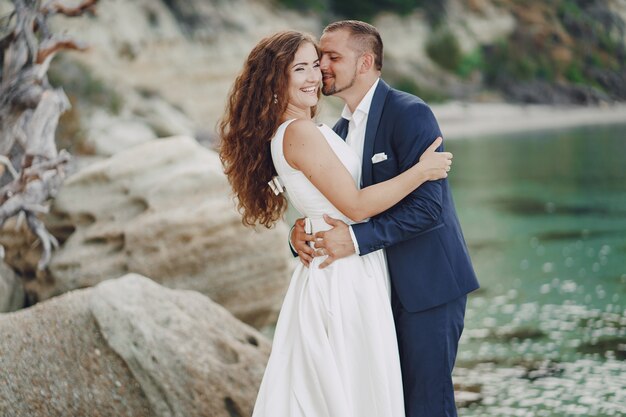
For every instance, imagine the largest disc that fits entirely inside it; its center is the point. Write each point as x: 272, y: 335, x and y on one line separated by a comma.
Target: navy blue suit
x: 430, y: 268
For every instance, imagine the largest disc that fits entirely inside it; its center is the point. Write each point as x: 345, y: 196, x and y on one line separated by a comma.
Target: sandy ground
x: 466, y: 120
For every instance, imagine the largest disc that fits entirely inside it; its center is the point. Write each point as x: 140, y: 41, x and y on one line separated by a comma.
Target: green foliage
x: 78, y: 81
x: 512, y: 61
x: 443, y: 48
x: 367, y: 9
x: 310, y: 5
x: 589, y: 31
x: 569, y: 8
x: 410, y: 86
x: 578, y: 41
x: 364, y: 9
x: 83, y: 90
x: 574, y: 74
x: 544, y: 68
x: 471, y: 62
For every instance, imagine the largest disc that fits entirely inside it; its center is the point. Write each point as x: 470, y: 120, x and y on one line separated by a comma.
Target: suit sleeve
x: 414, y: 131
x: 291, y: 248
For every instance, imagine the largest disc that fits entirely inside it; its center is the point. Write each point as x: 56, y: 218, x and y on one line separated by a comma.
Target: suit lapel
x: 373, y: 119
x: 341, y: 128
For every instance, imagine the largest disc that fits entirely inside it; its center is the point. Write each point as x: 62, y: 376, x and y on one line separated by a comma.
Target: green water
x: 544, y: 216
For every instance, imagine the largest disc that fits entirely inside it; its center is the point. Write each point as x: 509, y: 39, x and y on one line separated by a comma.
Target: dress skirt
x: 335, y: 352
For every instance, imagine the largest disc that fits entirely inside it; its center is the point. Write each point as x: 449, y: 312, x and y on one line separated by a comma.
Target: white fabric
x: 357, y: 125
x: 334, y: 352
x: 357, y: 122
x: 354, y: 241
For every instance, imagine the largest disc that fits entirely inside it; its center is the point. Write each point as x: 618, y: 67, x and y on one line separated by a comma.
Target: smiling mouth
x: 309, y: 90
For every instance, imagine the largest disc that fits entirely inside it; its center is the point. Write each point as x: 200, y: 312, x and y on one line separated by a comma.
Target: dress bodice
x: 302, y: 194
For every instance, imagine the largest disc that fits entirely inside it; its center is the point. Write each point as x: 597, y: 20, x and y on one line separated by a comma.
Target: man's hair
x: 366, y: 38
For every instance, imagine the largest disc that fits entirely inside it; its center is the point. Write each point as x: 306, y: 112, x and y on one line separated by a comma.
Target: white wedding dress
x: 334, y: 352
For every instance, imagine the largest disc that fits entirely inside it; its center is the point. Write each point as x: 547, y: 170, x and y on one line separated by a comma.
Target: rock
x: 107, y: 135
x: 164, y: 209
x: 11, y: 290
x: 542, y: 92
x: 129, y: 347
x: 163, y: 118
x: 191, y: 357
x: 55, y: 362
x: 189, y: 51
x: 484, y: 24
x: 613, y: 82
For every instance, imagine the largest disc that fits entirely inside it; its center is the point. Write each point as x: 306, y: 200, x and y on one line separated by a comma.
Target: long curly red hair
x: 253, y: 113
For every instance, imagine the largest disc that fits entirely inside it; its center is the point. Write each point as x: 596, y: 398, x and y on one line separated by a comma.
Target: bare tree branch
x: 54, y: 7
x: 51, y: 46
x: 9, y: 166
x: 29, y: 113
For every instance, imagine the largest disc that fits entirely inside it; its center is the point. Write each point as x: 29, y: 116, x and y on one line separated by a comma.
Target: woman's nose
x: 314, y: 74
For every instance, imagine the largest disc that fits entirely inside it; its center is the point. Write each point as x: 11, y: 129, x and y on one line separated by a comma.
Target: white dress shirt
x: 356, y: 134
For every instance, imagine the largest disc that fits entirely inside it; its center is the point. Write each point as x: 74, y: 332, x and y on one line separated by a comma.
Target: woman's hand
x: 435, y: 165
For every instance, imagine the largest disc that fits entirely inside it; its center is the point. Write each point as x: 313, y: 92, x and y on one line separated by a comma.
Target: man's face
x: 338, y: 63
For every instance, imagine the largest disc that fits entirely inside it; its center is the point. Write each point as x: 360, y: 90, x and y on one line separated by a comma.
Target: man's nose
x: 324, y: 63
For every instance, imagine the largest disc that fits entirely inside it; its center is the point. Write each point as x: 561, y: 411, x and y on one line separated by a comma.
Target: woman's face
x: 305, y: 77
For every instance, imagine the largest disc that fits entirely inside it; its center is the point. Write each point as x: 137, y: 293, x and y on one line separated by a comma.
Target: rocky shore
x: 466, y: 120
x: 129, y: 347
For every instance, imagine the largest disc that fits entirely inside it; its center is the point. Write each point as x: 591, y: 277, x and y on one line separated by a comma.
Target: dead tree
x: 31, y: 168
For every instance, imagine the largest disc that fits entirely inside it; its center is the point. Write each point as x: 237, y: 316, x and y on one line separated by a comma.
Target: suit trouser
x: 428, y: 342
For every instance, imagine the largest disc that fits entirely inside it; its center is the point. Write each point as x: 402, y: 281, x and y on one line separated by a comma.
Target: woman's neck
x: 293, y: 112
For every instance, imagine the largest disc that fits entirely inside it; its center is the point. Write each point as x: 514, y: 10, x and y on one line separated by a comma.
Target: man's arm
x: 298, y: 242
x: 415, y: 129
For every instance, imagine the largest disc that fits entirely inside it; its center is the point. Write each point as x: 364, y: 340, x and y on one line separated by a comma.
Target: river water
x: 544, y: 215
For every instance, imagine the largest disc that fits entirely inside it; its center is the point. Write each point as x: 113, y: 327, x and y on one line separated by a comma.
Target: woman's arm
x: 306, y: 150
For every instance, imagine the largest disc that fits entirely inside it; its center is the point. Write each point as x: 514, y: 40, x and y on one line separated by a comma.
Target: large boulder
x: 129, y: 347
x: 11, y: 290
x: 164, y: 209
x: 106, y: 135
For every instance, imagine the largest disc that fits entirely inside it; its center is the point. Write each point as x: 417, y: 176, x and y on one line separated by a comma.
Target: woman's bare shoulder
x: 300, y: 130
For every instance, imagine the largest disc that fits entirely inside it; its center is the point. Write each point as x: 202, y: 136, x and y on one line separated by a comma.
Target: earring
x: 275, y: 98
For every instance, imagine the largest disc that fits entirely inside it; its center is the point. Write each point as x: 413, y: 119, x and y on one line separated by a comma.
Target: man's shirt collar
x: 363, y: 108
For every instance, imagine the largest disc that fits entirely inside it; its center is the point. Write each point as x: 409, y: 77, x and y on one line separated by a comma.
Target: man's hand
x: 299, y: 239
x: 436, y: 165
x: 336, y: 242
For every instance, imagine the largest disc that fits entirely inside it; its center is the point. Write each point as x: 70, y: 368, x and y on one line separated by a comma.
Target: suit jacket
x: 428, y: 260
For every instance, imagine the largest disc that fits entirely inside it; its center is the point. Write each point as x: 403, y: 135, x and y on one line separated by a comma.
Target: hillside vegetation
x: 562, y: 51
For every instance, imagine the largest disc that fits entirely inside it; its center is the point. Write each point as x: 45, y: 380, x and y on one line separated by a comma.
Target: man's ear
x: 366, y: 62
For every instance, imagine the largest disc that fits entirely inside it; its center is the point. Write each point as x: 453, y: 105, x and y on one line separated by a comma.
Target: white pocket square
x: 379, y: 157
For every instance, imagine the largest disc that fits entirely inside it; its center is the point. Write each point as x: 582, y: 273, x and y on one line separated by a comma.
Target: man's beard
x: 332, y: 89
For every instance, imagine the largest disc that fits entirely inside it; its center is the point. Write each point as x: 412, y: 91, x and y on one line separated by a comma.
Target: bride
x: 334, y: 352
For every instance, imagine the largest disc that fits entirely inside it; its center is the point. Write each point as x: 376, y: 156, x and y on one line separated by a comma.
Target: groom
x: 430, y: 268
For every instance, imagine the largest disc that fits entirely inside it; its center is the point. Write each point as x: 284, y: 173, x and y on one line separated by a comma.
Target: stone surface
x: 106, y: 135
x: 129, y: 347
x: 11, y: 290
x: 188, y: 51
x: 191, y: 357
x: 164, y: 209
x: 55, y: 362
